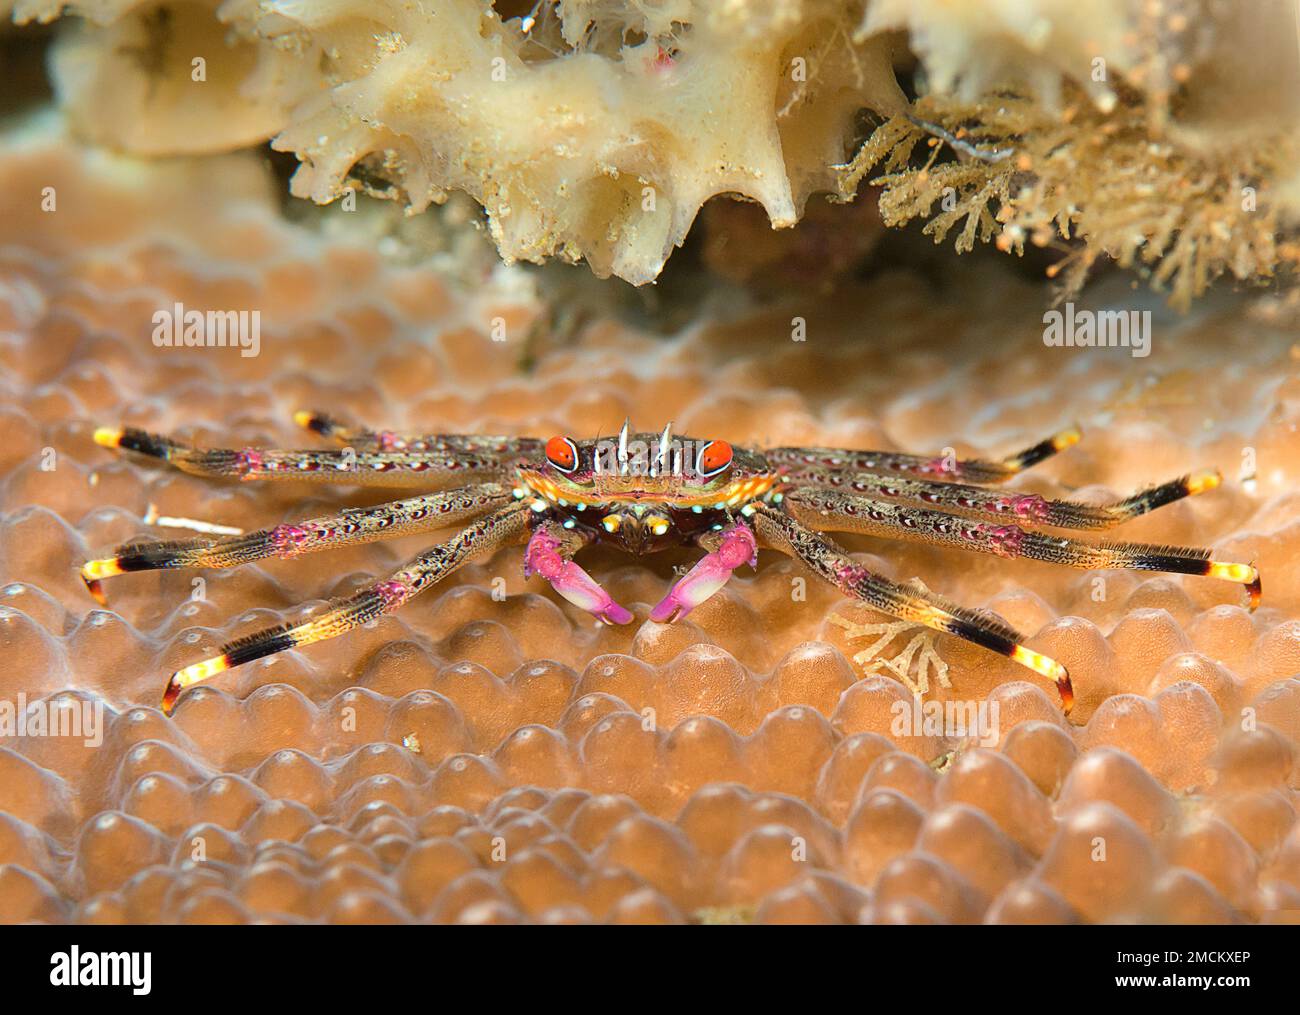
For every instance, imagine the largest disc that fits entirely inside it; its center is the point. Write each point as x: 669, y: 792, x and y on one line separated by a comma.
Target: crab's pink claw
x: 738, y: 547
x: 569, y: 580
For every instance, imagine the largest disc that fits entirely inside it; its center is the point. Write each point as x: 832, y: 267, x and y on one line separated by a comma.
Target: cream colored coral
x: 596, y: 129
x: 969, y: 47
x: 600, y: 140
x: 1234, y: 64
x: 606, y: 156
x: 911, y: 665
x: 185, y: 78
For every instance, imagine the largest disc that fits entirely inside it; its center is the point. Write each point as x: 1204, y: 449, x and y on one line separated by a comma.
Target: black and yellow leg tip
x: 1255, y: 590
x: 96, y: 589
x: 1199, y: 482
x: 1067, y: 438
x: 316, y: 422
x: 1049, y: 668
x: 108, y: 436
x: 1055, y: 444
x: 94, y: 571
x: 131, y: 439
x: 170, y: 696
x: 191, y: 675
x: 1065, y: 688
x: 1247, y: 574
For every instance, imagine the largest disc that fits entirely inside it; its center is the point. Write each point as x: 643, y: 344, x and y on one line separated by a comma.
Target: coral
x: 167, y: 79
x: 606, y: 151
x: 912, y: 664
x: 971, y: 49
x: 489, y: 755
x: 1183, y: 217
x: 597, y: 130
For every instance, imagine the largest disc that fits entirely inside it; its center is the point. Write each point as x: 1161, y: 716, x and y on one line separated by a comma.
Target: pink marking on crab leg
x: 708, y: 575
x: 1025, y: 505
x: 249, y: 462
x: 1003, y: 540
x: 569, y: 580
x: 288, y: 540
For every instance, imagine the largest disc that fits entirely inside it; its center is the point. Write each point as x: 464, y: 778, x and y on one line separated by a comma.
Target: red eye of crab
x: 713, y: 458
x: 562, y: 453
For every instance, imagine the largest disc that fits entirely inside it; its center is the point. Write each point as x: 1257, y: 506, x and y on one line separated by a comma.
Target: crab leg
x: 348, y: 528
x: 973, y: 470
x: 363, y: 439
x: 503, y: 527
x: 1028, y: 507
x: 907, y: 602
x: 549, y: 554
x: 735, y: 546
x: 359, y: 468
x: 828, y: 509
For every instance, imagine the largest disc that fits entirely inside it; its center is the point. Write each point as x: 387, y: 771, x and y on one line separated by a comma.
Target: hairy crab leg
x: 828, y: 509
x: 503, y: 527
x: 550, y: 551
x: 1028, y: 507
x: 364, y: 439
x: 735, y: 546
x: 348, y: 528
x: 825, y: 558
x: 973, y: 470
x: 348, y: 466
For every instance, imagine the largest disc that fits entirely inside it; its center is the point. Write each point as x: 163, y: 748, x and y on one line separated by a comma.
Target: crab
x: 644, y: 492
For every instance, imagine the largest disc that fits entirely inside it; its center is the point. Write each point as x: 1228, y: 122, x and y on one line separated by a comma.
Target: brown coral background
x: 486, y: 758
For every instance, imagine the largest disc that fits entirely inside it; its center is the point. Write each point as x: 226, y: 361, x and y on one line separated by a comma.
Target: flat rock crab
x: 644, y: 492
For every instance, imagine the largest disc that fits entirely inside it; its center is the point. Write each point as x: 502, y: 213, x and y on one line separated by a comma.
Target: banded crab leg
x: 840, y: 512
x: 973, y: 470
x: 550, y: 555
x: 729, y: 549
x: 349, y: 466
x: 364, y: 439
x: 1062, y: 514
x: 503, y: 527
x: 350, y: 527
x: 783, y: 531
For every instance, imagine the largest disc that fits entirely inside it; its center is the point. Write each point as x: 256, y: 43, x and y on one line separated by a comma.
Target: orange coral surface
x: 497, y: 757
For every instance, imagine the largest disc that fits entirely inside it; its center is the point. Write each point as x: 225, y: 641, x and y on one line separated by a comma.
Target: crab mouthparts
x: 635, y: 488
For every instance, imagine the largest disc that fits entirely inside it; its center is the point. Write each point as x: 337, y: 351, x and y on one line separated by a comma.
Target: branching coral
x: 1158, y: 134
x: 1183, y: 217
x: 912, y: 664
x: 596, y: 129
